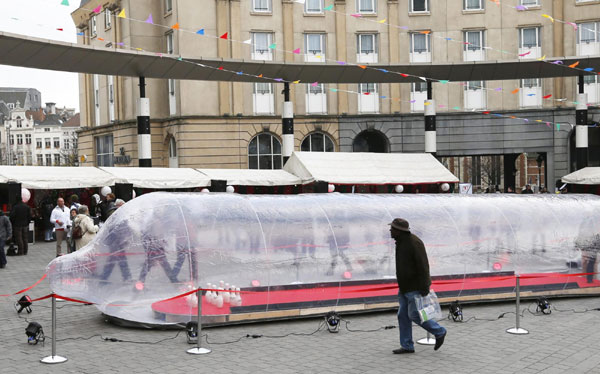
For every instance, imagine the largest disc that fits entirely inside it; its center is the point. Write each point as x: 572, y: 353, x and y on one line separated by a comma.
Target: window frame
x: 480, y: 8
x: 266, y: 52
x: 168, y: 6
x: 326, y: 138
x: 101, y: 152
x: 28, y: 139
x: 308, y: 11
x: 93, y: 26
x: 272, y: 154
x: 269, y: 8
x: 537, y: 37
x: 107, y: 19
x: 322, y: 40
x: 412, y: 42
x: 170, y: 43
x: 522, y: 2
x: 373, y: 7
x: 468, y: 47
x: 411, y: 7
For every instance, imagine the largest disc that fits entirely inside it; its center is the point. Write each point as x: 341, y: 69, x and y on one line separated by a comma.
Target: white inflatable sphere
x: 105, y: 191
x: 230, y: 189
x: 205, y: 190
x: 133, y: 195
x: 399, y: 188
x: 445, y: 187
x: 25, y: 195
x: 331, y: 188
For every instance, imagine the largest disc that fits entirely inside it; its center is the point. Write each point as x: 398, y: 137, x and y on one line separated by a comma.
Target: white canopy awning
x: 368, y: 168
x: 55, y: 177
x: 251, y: 177
x: 589, y: 175
x: 159, y: 178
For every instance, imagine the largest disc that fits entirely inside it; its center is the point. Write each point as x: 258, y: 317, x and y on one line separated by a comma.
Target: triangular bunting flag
x: 514, y: 91
x: 272, y: 46
x: 296, y: 82
x: 362, y: 66
x: 175, y: 26
x: 547, y: 96
x: 200, y: 32
x: 260, y: 75
x: 98, y: 9
x: 329, y: 7
x: 382, y: 21
x: 122, y: 14
x: 65, y: 2
x: 574, y: 65
x: 150, y: 20
x: 296, y: 51
x: 224, y: 36
x: 60, y: 29
x: 249, y: 41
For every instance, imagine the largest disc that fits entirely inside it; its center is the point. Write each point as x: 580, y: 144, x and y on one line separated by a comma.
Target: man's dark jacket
x: 20, y: 215
x: 412, y: 265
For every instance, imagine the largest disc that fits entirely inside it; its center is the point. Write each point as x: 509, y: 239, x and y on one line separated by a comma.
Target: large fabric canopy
x: 57, y: 177
x: 368, y: 168
x: 589, y: 175
x: 249, y: 177
x: 158, y: 178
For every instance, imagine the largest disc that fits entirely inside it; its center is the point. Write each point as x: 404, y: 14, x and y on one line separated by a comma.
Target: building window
x: 93, y: 27
x: 29, y: 157
x: 264, y: 152
x: 420, y: 47
x: 19, y: 139
x: 366, y: 47
x: 316, y: 99
x: 418, y: 95
x: 56, y: 160
x: 530, y: 2
x: 313, y: 6
x: 47, y: 143
x: 263, y: 98
x: 104, y: 150
x: 474, y: 43
x: 168, y: 6
x: 314, y: 45
x: 46, y: 129
x: 261, y: 6
x: 588, y: 38
x: 27, y: 138
x: 529, y: 42
x: 260, y: 46
x: 531, y: 93
x: 170, y: 47
x: 48, y: 160
x: 591, y: 86
x: 107, y: 19
x: 11, y: 106
x: 368, y: 99
x: 475, y: 97
x: 38, y: 143
x: 19, y: 122
x: 366, y: 6
x: 172, y: 98
x: 56, y: 142
x: 417, y: 6
x: 40, y: 160
x: 473, y: 4
x: 96, y: 100
x: 67, y: 144
x: 317, y: 142
x: 111, y: 98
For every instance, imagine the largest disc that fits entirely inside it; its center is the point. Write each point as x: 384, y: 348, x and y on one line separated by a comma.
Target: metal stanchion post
x: 518, y: 330
x: 198, y: 350
x: 427, y: 341
x: 53, y: 359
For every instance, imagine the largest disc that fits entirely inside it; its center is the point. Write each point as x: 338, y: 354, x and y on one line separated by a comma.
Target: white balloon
x: 445, y: 187
x: 331, y: 188
x: 399, y: 188
x: 133, y: 194
x: 205, y: 190
x: 25, y: 195
x: 105, y: 191
x: 230, y: 189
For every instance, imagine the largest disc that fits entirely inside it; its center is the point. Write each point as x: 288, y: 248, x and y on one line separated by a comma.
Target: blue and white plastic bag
x: 428, y: 307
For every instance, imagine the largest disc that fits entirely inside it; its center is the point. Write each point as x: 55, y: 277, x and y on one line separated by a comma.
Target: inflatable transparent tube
x: 160, y: 245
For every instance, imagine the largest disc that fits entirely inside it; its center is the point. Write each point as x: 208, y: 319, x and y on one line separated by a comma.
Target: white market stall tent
x: 56, y: 177
x: 252, y: 177
x: 588, y: 175
x: 158, y: 178
x: 368, y: 168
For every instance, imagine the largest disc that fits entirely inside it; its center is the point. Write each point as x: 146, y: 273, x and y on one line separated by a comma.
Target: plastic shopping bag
x: 428, y: 307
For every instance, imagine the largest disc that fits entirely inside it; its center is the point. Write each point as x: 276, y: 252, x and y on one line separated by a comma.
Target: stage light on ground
x: 191, y: 329
x: 35, y: 333
x: 23, y: 303
x: 543, y: 305
x: 455, y: 312
x: 333, y: 322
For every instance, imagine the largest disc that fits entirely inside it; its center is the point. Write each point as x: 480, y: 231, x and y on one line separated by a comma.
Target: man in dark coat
x: 20, y: 215
x: 412, y: 273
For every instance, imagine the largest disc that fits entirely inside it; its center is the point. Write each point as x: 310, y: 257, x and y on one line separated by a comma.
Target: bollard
x: 518, y: 330
x: 427, y: 341
x: 53, y: 359
x: 198, y: 350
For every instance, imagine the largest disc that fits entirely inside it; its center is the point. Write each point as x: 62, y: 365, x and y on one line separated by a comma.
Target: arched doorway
x: 371, y: 141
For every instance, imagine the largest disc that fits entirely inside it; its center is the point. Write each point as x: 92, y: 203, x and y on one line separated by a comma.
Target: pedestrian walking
x: 20, y: 215
x: 85, y: 223
x: 60, y: 217
x: 5, y: 234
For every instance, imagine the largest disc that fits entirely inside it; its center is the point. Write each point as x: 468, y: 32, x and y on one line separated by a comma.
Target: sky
x: 41, y: 18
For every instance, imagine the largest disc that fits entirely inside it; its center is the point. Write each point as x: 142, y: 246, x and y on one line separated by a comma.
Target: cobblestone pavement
x: 563, y: 342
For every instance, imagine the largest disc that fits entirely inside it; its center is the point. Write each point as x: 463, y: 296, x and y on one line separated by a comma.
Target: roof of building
x: 74, y: 121
x: 62, y: 56
x: 13, y: 97
x: 4, y: 109
x: 51, y: 120
x: 38, y: 115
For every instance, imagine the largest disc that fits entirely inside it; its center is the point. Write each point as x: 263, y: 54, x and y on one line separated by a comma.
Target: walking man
x: 61, y: 218
x: 5, y: 234
x: 412, y: 273
x: 20, y: 215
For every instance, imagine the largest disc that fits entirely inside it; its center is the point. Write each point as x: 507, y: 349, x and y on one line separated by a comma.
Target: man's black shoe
x: 439, y: 341
x: 402, y: 350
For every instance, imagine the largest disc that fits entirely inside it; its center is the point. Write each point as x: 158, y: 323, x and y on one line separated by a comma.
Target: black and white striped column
x: 581, y: 130
x: 287, y: 122
x: 143, y: 127
x: 430, y: 133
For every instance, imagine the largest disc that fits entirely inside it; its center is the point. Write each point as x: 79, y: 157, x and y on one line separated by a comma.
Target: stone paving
x: 563, y: 342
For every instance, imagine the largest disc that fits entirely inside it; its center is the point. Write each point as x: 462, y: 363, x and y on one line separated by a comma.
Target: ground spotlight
x: 543, y: 305
x: 333, y: 322
x: 23, y: 303
x: 191, y: 328
x: 455, y: 312
x: 35, y: 333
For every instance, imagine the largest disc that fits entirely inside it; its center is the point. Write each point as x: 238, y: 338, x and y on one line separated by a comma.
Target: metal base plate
x: 426, y: 341
x: 53, y: 360
x: 198, y: 351
x: 517, y: 331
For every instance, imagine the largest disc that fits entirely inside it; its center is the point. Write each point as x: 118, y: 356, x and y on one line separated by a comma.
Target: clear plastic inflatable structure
x: 303, y: 251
